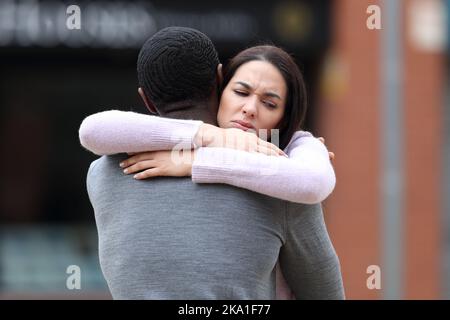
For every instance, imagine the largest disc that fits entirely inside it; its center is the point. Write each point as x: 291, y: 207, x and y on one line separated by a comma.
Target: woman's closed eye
x: 269, y: 104
x: 241, y: 93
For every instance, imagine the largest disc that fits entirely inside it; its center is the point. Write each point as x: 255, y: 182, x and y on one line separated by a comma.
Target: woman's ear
x: 219, y: 75
x: 150, y: 106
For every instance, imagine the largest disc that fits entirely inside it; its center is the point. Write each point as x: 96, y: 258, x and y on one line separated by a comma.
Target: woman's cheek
x: 223, y: 115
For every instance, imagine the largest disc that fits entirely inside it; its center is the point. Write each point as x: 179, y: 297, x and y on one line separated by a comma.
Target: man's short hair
x: 177, y: 64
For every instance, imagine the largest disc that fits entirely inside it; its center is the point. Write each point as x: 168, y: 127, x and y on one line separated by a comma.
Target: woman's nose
x: 250, y: 107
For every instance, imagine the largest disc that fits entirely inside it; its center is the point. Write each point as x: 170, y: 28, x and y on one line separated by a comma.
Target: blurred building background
x: 380, y: 97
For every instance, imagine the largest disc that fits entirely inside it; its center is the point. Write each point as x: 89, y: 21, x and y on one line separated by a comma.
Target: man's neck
x: 206, y: 111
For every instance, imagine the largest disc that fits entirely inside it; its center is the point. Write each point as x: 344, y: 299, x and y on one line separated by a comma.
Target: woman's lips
x: 241, y: 125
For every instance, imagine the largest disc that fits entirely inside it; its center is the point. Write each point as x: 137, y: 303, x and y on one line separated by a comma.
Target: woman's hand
x: 160, y: 163
x: 233, y: 138
x: 330, y: 154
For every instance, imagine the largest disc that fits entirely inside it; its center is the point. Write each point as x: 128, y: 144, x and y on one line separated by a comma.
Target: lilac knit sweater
x: 307, y: 176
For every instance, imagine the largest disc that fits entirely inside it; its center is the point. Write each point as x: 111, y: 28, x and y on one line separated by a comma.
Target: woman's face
x: 254, y: 98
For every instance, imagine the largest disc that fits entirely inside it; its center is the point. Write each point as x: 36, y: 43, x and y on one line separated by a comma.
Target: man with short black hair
x: 180, y: 76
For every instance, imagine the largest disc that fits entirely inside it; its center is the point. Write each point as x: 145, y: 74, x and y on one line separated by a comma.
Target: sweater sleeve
x: 308, y: 259
x: 307, y: 176
x: 114, y: 131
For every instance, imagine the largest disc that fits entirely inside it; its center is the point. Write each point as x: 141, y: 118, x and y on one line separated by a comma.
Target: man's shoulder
x: 105, y: 167
x: 93, y: 165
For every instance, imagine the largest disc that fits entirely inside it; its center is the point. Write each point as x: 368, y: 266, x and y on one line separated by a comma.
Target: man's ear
x: 219, y: 75
x: 150, y: 106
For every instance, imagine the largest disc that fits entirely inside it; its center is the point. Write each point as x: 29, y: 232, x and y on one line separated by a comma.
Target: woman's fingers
x: 267, y: 151
x: 141, y: 165
x: 136, y: 158
x: 259, y: 145
x: 272, y: 147
x: 331, y: 154
x: 250, y: 142
x: 149, y: 173
x: 130, y: 161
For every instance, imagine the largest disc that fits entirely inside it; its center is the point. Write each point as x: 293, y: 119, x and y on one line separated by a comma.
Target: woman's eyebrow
x: 272, y: 94
x: 249, y: 87
x: 244, y: 84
